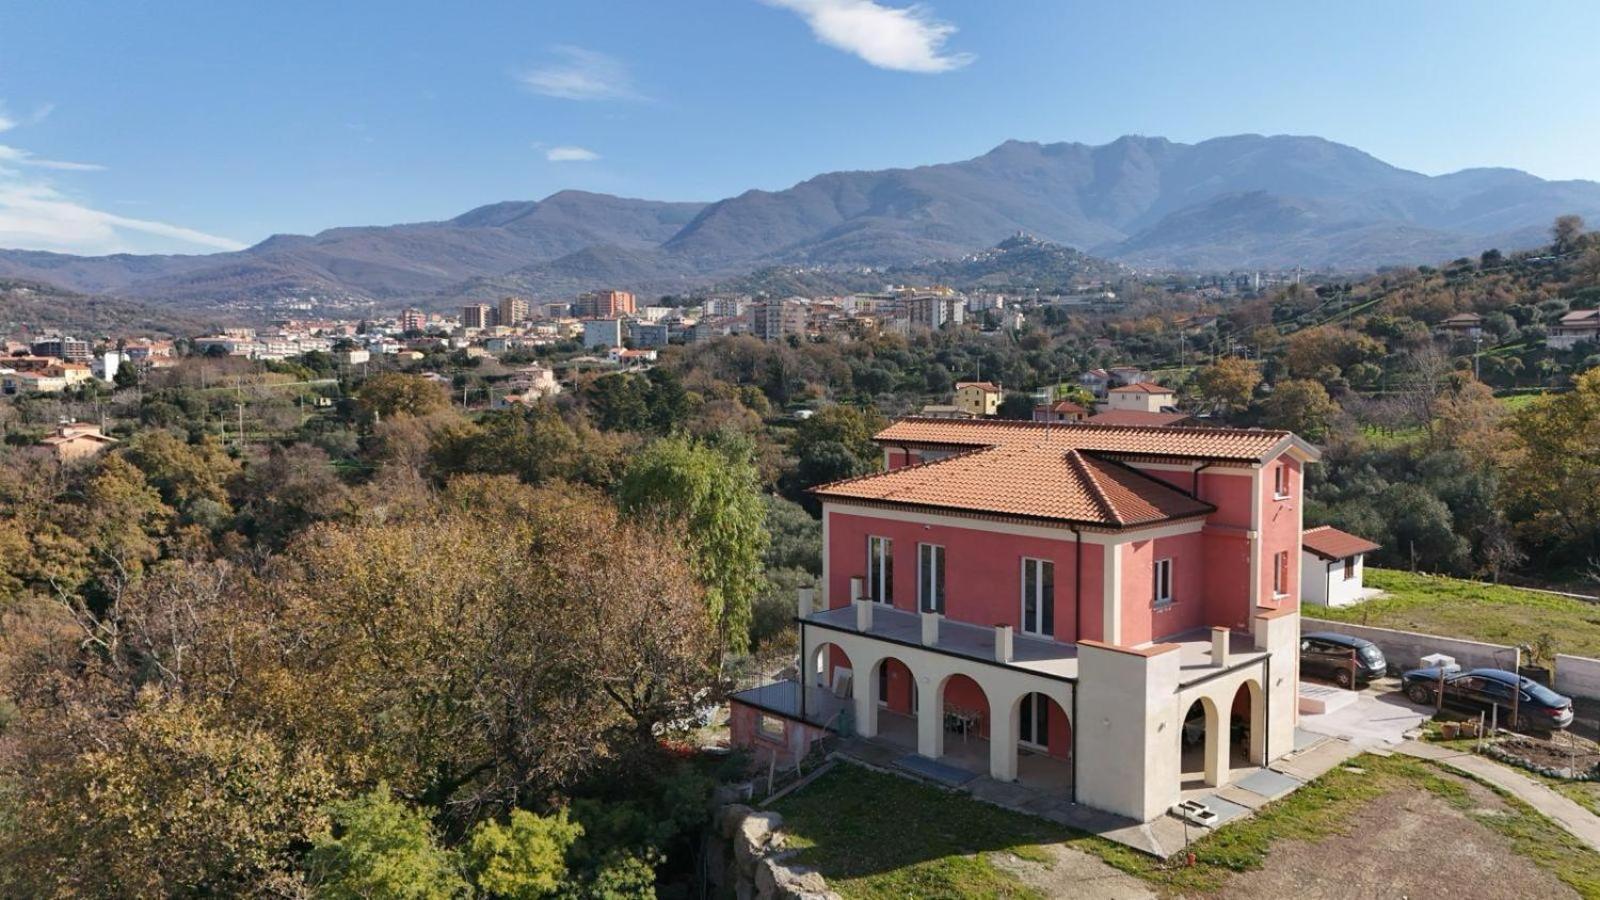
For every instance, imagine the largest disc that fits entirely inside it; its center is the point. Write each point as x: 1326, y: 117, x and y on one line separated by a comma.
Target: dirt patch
x: 1407, y: 843
x: 1071, y: 874
x: 1562, y: 750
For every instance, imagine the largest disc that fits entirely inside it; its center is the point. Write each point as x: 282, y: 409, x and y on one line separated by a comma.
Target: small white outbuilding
x: 1331, y: 566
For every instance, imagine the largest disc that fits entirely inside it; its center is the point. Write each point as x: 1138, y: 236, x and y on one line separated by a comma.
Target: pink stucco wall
x: 744, y: 731
x: 983, y: 570
x: 1141, y: 620
x: 1280, y: 531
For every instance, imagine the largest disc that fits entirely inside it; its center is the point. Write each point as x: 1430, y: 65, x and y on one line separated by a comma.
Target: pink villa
x: 1107, y: 613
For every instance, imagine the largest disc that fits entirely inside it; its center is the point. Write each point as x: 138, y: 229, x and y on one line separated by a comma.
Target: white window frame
x: 1041, y: 600
x: 1280, y: 574
x: 1161, y: 577
x: 1280, y: 482
x: 771, y: 727
x: 937, y: 591
x: 880, y: 569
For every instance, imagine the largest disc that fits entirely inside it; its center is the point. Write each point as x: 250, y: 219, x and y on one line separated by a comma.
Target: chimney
x: 1219, y: 645
x: 930, y: 628
x: 1002, y: 643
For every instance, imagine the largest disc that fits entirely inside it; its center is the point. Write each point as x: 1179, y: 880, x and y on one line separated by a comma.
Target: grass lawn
x: 1466, y: 609
x: 879, y: 836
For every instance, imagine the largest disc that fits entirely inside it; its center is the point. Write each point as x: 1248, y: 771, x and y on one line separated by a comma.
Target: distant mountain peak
x: 1236, y: 201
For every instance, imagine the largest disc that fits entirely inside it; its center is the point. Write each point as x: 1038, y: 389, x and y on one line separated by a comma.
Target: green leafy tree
x: 1229, y: 381
x: 381, y: 848
x: 714, y: 493
x: 1550, y: 488
x: 524, y: 859
x: 1300, y: 405
x: 389, y: 394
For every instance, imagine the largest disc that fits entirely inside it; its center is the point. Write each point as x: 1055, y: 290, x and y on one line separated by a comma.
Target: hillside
x: 1246, y: 201
x: 28, y: 307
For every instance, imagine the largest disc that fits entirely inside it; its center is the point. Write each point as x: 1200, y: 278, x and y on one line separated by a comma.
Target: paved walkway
x: 1577, y: 821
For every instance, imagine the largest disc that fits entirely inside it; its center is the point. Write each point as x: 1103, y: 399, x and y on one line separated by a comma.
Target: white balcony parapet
x: 1219, y: 645
x: 805, y: 602
x: 930, y: 629
x: 858, y: 587
x: 863, y: 614
x: 1003, y: 649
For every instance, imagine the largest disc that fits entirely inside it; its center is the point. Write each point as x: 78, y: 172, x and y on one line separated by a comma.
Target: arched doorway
x: 1247, y: 727
x: 1202, y: 745
x: 894, y: 702
x: 1042, y: 750
x: 954, y: 722
x: 830, y: 669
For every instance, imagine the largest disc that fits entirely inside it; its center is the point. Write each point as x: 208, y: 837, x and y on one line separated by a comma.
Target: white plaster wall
x: 1578, y: 676
x: 1127, y: 710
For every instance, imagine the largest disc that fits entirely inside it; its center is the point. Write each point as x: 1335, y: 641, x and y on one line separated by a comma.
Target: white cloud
x: 6, y: 122
x: 907, y: 39
x: 579, y: 74
x: 35, y: 216
x: 19, y: 157
x: 571, y: 154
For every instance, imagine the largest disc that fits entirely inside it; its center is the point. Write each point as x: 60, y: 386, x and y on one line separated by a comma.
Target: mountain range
x: 1240, y: 202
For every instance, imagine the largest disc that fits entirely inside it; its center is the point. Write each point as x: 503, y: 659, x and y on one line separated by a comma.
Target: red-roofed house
x: 1578, y: 325
x: 1059, y: 411
x: 1143, y: 396
x: 1332, y: 565
x: 1054, y: 605
x: 978, y: 398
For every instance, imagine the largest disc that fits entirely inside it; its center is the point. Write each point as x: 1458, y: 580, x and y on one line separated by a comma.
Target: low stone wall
x: 1405, y: 649
x: 1578, y: 676
x: 749, y: 862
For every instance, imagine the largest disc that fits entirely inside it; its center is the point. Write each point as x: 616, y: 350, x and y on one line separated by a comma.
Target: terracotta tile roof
x: 1173, y: 442
x: 1138, y: 417
x: 1466, y: 318
x: 1141, y: 387
x: 1038, y: 480
x: 1331, y: 543
x: 1060, y: 406
x: 1581, y: 317
x: 988, y: 386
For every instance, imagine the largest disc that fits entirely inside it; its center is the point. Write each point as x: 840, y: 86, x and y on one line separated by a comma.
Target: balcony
x: 962, y: 639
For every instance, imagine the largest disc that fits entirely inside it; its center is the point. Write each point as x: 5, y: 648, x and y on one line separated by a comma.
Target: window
x: 930, y: 578
x: 1280, y: 573
x: 1349, y: 567
x: 1280, y: 481
x: 880, y: 570
x: 770, y: 727
x: 1163, y: 582
x: 1035, y: 727
x: 883, y: 683
x: 1039, y: 597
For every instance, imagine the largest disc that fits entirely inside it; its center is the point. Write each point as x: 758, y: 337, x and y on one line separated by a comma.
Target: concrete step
x: 1320, y: 699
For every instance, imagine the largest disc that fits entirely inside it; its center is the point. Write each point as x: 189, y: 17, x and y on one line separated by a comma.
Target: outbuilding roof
x: 1331, y: 543
x: 1245, y: 445
x: 1138, y: 417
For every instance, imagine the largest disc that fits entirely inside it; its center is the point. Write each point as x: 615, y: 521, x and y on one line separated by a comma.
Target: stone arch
x: 1203, y: 739
x: 825, y: 659
x: 1248, y: 711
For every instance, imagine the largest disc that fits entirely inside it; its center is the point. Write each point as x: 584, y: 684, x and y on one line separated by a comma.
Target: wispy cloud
x: 574, y: 73
x: 571, y: 154
x: 905, y: 39
x: 19, y: 157
x: 35, y: 214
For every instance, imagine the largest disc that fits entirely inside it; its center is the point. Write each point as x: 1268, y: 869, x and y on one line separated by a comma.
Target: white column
x: 1219, y: 645
x: 1111, y: 610
x: 1003, y: 728
x: 863, y: 615
x: 866, y: 700
x: 930, y: 719
x: 1216, y: 747
x: 1003, y: 643
x: 805, y: 602
x: 930, y: 629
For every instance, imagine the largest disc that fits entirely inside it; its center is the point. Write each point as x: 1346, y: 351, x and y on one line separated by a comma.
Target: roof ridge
x: 1024, y: 423
x: 1078, y: 462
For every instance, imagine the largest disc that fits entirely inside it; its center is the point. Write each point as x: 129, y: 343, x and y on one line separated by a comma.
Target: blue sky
x: 183, y: 126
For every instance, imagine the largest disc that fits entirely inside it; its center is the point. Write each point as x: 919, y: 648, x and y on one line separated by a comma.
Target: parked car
x: 1538, y: 707
x: 1347, y: 661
